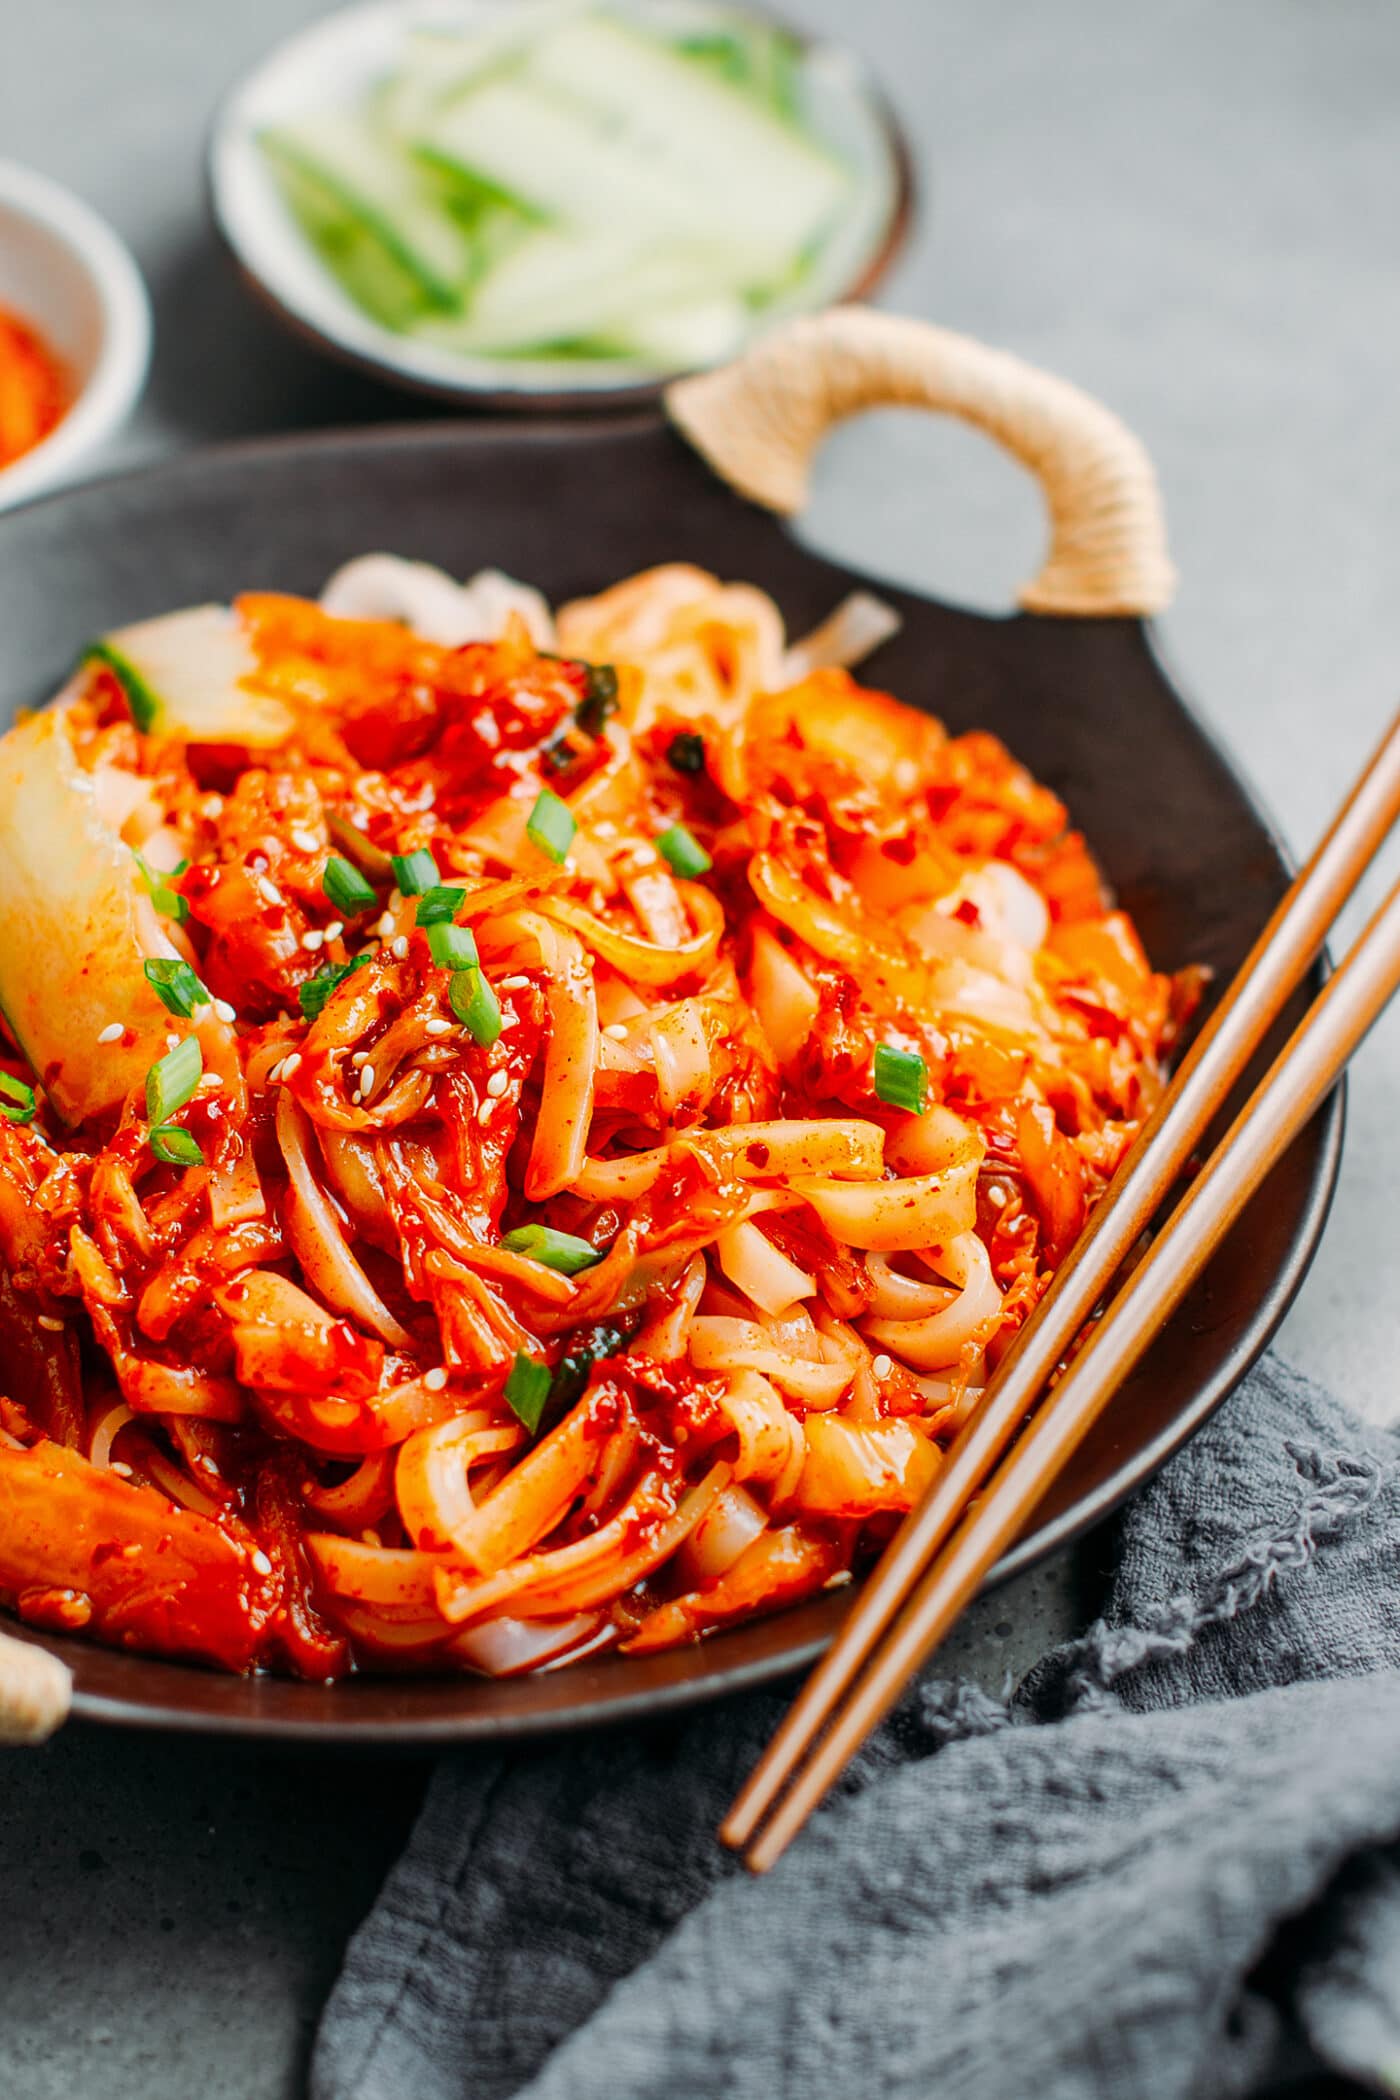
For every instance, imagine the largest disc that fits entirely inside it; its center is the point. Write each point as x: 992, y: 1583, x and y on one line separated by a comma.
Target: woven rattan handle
x: 35, y: 1690
x: 759, y: 421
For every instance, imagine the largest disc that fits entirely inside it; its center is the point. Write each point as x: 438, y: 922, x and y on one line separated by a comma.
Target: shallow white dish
x: 65, y: 272
x: 330, y: 65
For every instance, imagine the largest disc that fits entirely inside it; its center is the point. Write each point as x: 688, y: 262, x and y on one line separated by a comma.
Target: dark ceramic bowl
x: 571, y: 507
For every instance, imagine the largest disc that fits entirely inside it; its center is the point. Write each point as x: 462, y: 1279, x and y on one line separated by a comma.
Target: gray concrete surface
x: 1188, y: 208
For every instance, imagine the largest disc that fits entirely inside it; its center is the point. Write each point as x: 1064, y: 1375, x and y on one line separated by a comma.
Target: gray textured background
x: 1190, y: 209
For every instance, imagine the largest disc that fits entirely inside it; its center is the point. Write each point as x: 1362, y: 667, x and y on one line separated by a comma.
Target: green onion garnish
x: 685, y: 853
x: 476, y: 1006
x: 346, y: 886
x: 17, y: 1103
x: 169, y: 903
x: 527, y: 1389
x: 556, y: 1250
x: 355, y: 846
x: 452, y: 947
x: 599, y: 697
x: 312, y: 995
x: 901, y: 1078
x: 414, y: 872
x: 439, y: 904
x: 551, y: 826
x: 686, y: 753
x: 176, y: 986
x: 574, y: 1369
x: 170, y: 1083
x: 175, y: 1146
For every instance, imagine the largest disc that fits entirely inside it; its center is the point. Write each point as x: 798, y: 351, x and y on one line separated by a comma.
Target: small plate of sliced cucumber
x: 559, y: 202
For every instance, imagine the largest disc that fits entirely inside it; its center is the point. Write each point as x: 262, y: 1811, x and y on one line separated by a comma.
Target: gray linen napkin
x: 1168, y: 1866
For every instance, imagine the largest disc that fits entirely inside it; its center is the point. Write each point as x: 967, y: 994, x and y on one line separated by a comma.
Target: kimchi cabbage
x: 519, y: 1134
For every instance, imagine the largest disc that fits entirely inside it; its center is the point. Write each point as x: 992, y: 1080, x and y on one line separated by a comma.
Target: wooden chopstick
x: 1271, y: 972
x: 1297, y: 1082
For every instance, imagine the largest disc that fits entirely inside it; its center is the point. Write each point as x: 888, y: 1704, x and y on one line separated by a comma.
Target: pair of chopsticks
x: 938, y: 1558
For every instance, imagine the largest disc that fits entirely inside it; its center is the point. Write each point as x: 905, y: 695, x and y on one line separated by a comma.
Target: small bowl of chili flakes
x: 75, y: 333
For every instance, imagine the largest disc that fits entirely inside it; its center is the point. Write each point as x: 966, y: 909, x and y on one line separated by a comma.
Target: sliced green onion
x: 452, y: 947
x: 312, y: 995
x: 556, y: 1250
x: 574, y: 1369
x: 175, y: 1146
x: 170, y: 1083
x: 414, y: 872
x: 476, y: 1006
x: 551, y: 826
x: 439, y: 904
x: 527, y: 1389
x: 685, y: 853
x: 599, y: 697
x: 901, y: 1078
x: 169, y: 903
x: 176, y: 986
x: 346, y: 886
x: 17, y: 1103
x: 686, y: 753
x: 363, y: 851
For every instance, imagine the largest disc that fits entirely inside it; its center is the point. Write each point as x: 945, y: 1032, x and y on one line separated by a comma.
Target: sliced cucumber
x: 702, y: 332
x: 340, y: 158
x: 563, y: 180
x: 562, y: 160
x: 183, y: 676
x: 365, y: 266
x: 752, y: 173
x: 586, y: 285
x: 760, y: 57
x: 75, y: 928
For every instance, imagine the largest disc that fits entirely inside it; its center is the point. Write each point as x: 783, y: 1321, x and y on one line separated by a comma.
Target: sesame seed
x: 119, y: 1466
x: 437, y: 1027
x: 398, y: 947
x: 172, y: 1042
x: 496, y: 1085
x: 312, y: 941
x: 261, y: 1562
x: 386, y: 926
x: 366, y: 1082
x: 882, y: 1366
x: 514, y: 984
x: 112, y: 1033
x: 335, y: 929
x: 304, y: 841
x: 435, y: 1380
x: 268, y: 890
x: 225, y: 1012
x: 212, y: 806
x: 290, y: 1065
x: 274, y: 1073
x: 50, y: 1324
x: 483, y: 1114
x: 616, y: 1030
x: 358, y: 1058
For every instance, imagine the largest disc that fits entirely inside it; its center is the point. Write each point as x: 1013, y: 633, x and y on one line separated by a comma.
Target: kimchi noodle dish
x: 520, y: 1132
